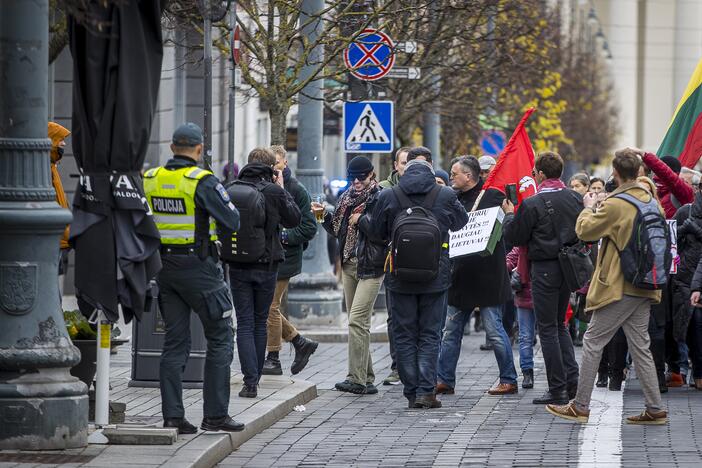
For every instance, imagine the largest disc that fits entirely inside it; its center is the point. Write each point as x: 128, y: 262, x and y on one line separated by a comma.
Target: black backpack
x: 646, y: 258
x: 248, y: 244
x: 415, y: 240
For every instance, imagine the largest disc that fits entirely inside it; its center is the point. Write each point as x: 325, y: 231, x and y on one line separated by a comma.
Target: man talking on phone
x: 477, y: 281
x: 254, y: 253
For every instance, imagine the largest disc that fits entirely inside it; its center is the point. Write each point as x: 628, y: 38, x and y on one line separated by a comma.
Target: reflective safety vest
x: 171, y: 196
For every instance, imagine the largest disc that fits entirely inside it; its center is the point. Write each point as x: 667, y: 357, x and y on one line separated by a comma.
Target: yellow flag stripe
x: 692, y: 85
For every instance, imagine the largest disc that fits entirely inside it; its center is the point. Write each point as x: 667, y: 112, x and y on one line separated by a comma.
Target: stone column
x: 313, y: 298
x: 41, y: 405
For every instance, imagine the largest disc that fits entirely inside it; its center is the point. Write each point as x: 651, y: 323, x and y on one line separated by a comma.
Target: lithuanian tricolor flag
x: 684, y: 137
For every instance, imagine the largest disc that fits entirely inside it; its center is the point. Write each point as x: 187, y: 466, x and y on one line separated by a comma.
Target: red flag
x: 515, y: 164
x: 693, y: 145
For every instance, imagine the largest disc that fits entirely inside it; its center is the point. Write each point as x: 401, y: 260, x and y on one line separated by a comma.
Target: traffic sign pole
x: 236, y: 56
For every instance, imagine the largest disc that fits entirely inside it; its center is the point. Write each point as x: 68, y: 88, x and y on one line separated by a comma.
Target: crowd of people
x: 520, y: 291
x: 235, y: 248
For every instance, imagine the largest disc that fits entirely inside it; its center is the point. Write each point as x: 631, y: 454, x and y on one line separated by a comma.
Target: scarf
x: 551, y: 185
x: 351, y: 202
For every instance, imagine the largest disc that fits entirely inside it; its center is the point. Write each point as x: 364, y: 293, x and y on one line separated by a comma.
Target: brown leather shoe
x: 698, y: 384
x: 445, y: 389
x: 504, y: 389
x: 648, y: 418
x: 569, y: 411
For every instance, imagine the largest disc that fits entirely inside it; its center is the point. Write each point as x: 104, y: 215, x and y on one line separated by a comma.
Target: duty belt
x: 178, y: 250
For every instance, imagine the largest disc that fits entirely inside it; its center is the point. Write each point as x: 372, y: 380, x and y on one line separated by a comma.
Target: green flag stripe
x: 674, y: 140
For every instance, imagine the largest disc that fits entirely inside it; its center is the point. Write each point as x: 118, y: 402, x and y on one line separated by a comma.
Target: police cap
x: 188, y: 134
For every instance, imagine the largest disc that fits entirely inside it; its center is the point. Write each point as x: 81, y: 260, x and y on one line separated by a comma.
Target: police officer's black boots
x: 225, y: 423
x: 182, y: 424
x: 271, y: 366
x: 304, y: 348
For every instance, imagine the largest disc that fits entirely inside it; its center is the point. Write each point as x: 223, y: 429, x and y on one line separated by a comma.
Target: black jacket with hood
x: 417, y: 182
x: 281, y: 210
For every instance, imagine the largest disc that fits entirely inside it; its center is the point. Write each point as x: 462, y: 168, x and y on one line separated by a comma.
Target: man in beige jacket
x: 614, y: 301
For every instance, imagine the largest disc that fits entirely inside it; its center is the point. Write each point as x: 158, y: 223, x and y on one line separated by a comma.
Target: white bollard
x: 102, y: 379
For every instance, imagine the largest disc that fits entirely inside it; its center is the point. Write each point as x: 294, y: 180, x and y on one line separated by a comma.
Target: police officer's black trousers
x: 187, y: 283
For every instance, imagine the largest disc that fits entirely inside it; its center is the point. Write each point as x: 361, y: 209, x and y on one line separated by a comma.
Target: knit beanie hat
x: 672, y: 163
x: 358, y: 166
x: 443, y: 175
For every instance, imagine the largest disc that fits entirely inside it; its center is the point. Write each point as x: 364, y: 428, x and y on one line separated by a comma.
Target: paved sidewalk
x: 472, y: 428
x: 278, y: 395
x: 340, y: 334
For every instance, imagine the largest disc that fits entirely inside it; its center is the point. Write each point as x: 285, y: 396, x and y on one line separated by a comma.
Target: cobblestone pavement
x: 472, y: 428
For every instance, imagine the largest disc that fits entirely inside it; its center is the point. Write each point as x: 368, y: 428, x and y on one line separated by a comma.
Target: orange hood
x: 57, y: 133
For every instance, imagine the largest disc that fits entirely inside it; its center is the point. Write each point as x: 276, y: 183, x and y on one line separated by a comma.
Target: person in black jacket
x: 545, y: 223
x: 687, y: 315
x: 293, y: 240
x: 418, y: 308
x: 253, y: 284
x: 477, y: 281
x: 362, y: 271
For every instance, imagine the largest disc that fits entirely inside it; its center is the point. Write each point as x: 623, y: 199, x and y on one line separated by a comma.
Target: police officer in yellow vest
x: 183, y: 199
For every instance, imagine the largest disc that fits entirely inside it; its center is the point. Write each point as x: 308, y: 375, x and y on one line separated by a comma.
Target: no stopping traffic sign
x: 371, y: 56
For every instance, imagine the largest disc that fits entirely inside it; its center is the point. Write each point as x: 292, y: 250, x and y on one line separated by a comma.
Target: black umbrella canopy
x: 116, y: 74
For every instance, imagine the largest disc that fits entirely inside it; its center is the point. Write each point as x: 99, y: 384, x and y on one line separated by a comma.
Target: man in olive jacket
x: 293, y: 240
x: 613, y: 300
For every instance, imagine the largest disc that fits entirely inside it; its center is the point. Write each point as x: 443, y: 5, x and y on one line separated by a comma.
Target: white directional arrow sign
x: 407, y: 73
x: 408, y: 47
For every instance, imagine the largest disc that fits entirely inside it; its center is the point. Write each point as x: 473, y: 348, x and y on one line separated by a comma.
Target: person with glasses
x: 477, y: 281
x: 362, y: 265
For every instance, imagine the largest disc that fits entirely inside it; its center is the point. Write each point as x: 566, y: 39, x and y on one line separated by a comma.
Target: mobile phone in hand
x: 511, y: 193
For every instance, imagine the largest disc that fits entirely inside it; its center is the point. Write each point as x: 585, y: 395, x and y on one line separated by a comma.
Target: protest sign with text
x: 480, y: 235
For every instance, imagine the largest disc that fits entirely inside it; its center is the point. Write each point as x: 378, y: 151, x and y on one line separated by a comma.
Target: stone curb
x: 208, y: 449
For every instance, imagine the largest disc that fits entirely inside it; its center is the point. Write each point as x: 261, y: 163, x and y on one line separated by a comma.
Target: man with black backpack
x: 545, y: 223
x: 253, y: 254
x: 633, y: 264
x: 416, y: 216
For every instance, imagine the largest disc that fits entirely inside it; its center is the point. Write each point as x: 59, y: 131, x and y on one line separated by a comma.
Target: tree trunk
x: 278, y: 115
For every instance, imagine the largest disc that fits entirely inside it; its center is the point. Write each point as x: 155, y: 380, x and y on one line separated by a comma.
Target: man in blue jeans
x: 253, y: 277
x: 418, y: 307
x: 477, y: 281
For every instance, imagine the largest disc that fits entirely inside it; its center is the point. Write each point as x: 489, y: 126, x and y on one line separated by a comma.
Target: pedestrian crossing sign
x: 369, y: 127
